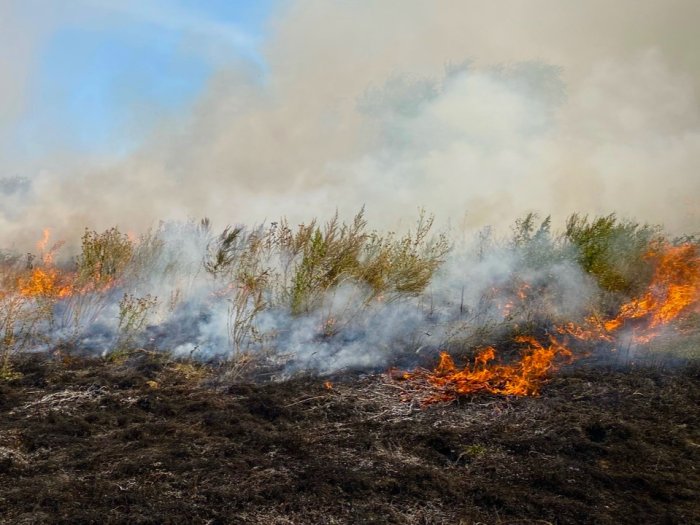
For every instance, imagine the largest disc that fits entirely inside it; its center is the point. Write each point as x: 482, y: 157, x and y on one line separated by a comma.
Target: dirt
x: 150, y: 441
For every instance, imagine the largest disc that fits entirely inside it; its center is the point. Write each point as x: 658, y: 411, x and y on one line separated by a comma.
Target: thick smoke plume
x: 478, y: 111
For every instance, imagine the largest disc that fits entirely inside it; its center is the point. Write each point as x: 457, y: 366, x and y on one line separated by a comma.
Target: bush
x: 103, y: 257
x: 613, y: 251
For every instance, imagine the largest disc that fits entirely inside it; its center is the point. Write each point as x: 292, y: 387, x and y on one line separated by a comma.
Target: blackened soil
x: 150, y: 441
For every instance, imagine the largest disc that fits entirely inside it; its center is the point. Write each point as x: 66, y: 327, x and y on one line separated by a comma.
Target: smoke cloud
x: 478, y: 111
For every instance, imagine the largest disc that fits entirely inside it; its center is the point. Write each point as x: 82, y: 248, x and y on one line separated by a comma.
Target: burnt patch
x: 93, y: 441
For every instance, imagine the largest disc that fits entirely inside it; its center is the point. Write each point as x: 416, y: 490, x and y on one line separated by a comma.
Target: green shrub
x: 535, y: 243
x: 103, y: 257
x: 328, y: 255
x: 405, y: 265
x: 386, y: 265
x: 613, y: 251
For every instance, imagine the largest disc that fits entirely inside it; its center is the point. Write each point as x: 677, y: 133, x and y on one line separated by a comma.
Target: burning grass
x: 524, y: 377
x: 335, y: 296
x: 673, y: 291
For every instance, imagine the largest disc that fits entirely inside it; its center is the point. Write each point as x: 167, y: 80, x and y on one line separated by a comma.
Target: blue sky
x: 110, y: 69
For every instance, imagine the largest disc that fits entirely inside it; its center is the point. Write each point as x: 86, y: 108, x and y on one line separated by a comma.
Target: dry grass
x: 332, y: 272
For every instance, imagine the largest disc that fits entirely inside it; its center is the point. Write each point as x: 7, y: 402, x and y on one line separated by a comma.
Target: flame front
x: 523, y: 378
x: 45, y: 282
x: 674, y: 291
x: 42, y: 288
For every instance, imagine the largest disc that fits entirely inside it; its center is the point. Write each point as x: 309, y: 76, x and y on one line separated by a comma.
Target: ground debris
x: 68, y: 400
x: 98, y: 443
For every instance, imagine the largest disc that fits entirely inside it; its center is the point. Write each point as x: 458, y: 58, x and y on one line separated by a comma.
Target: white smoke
x: 564, y: 107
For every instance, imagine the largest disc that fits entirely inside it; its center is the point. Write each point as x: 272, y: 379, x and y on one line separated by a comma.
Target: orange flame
x: 523, y: 378
x: 521, y: 293
x: 46, y: 280
x: 44, y: 242
x: 674, y: 291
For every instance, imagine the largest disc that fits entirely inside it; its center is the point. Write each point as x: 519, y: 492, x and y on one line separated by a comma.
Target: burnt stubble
x: 145, y: 440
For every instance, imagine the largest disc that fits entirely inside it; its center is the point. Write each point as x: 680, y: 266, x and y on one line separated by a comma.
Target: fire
x: 520, y: 297
x: 45, y: 280
x: 523, y: 378
x: 44, y: 242
x: 592, y: 330
x: 673, y: 292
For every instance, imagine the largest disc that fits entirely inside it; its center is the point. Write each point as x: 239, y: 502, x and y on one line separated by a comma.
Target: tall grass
x: 295, y: 269
x: 21, y: 314
x: 245, y: 288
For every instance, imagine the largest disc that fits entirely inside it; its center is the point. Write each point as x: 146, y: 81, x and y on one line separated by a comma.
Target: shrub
x: 534, y: 244
x: 103, y: 257
x: 133, y: 312
x: 328, y: 255
x: 613, y: 251
x: 403, y: 266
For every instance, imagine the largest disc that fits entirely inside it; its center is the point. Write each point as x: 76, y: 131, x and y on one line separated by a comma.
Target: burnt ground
x: 151, y: 441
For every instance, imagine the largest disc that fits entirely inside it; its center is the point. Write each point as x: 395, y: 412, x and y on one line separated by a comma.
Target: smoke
x: 166, y: 300
x: 15, y: 62
x: 478, y: 111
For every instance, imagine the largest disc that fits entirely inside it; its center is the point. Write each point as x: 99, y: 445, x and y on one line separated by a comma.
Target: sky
x: 101, y: 65
x: 128, y: 112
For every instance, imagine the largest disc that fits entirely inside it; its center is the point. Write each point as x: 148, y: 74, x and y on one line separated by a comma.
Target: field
x: 327, y: 373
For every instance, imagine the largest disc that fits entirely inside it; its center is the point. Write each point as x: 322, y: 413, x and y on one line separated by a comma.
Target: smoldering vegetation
x: 337, y: 296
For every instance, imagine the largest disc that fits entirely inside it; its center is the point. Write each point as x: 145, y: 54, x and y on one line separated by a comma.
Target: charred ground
x: 146, y: 440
